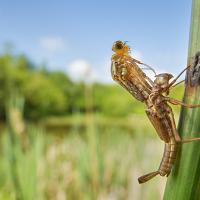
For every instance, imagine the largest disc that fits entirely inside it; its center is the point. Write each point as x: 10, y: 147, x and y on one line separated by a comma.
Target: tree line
x: 53, y: 93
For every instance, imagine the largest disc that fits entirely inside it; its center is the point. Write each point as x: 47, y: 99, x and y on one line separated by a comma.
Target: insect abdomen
x: 161, y: 125
x: 169, y: 157
x: 166, y: 164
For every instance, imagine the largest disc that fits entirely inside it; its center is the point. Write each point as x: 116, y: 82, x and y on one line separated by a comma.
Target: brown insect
x: 154, y: 94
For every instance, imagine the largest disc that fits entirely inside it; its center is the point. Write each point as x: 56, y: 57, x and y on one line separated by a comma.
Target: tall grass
x: 85, y: 165
x: 99, y: 162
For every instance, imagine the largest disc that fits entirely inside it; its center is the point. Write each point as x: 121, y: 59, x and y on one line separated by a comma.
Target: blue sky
x: 76, y: 35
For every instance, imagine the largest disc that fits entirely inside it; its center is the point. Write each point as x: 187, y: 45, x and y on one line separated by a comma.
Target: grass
x: 88, y: 157
x: 85, y: 165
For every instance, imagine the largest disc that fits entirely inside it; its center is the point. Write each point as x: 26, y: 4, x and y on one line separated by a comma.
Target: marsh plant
x: 80, y: 165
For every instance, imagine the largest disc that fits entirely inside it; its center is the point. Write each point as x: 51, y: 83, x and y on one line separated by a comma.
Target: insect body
x: 128, y: 74
x: 158, y: 112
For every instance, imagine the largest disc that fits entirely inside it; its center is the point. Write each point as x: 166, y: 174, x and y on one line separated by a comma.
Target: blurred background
x: 67, y: 130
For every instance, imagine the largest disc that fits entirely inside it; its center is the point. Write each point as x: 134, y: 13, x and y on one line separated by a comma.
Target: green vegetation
x: 184, y: 183
x: 68, y: 140
x: 76, y: 167
x: 52, y: 93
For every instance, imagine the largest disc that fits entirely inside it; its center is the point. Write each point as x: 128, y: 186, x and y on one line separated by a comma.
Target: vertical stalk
x: 184, y: 181
x: 92, y: 140
x: 13, y: 159
x: 12, y: 140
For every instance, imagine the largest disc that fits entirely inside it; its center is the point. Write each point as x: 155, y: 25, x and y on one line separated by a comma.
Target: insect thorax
x: 127, y: 74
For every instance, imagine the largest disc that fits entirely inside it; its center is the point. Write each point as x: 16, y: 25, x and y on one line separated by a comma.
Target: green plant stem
x: 184, y: 181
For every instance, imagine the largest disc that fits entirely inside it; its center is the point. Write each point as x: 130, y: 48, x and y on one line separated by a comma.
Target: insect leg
x: 174, y: 81
x: 176, y: 134
x: 189, y: 140
x: 178, y: 83
x: 177, y: 102
x: 150, y: 81
x: 149, y: 68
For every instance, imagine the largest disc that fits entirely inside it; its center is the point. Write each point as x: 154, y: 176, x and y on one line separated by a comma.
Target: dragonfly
x: 126, y: 71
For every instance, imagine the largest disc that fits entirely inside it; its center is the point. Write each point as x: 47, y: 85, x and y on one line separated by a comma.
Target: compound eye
x: 119, y: 45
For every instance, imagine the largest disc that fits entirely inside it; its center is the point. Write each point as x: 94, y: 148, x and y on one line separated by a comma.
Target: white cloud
x: 81, y: 70
x: 100, y: 72
x: 52, y: 44
x: 104, y: 72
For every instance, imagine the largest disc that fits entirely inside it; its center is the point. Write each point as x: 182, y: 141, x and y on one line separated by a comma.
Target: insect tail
x: 146, y: 177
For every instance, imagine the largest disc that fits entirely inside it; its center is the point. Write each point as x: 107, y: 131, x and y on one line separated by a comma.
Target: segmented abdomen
x: 164, y: 129
x: 169, y: 157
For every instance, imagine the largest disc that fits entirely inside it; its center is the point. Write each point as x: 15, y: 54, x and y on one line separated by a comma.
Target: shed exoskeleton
x: 126, y: 71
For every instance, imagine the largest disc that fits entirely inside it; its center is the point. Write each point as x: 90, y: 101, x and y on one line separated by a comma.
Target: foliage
x: 52, y: 93
x: 96, y: 160
x: 76, y: 167
x: 184, y: 181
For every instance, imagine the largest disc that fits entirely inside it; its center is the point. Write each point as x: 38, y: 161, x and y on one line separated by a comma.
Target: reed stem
x: 184, y: 181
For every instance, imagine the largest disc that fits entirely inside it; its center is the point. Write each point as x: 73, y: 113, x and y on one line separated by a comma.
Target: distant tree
x: 112, y: 100
x: 53, y: 93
